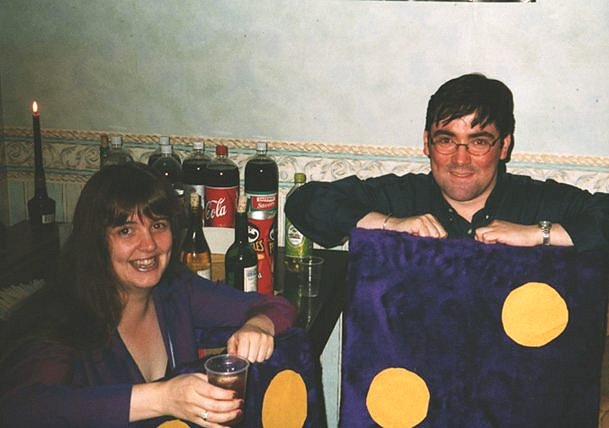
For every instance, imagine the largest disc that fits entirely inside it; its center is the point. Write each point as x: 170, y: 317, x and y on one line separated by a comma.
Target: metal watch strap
x: 545, y: 227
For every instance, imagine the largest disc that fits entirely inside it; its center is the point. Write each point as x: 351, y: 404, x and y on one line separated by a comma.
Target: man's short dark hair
x: 490, y: 100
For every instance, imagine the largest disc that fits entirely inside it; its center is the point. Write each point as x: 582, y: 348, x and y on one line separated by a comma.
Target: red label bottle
x: 221, y: 185
x: 261, y: 188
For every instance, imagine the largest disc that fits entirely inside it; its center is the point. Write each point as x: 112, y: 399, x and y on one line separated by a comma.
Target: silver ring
x: 204, y: 415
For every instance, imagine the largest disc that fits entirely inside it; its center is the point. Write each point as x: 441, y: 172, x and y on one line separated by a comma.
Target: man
x: 468, y: 138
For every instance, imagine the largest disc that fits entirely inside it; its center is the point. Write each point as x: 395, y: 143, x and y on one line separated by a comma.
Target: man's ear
x: 426, y: 143
x: 506, y: 147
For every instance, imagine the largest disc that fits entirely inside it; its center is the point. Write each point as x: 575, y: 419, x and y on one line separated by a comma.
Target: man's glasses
x: 446, y: 145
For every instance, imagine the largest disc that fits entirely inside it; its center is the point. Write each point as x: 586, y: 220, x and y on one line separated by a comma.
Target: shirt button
x: 469, y: 231
x: 487, y: 217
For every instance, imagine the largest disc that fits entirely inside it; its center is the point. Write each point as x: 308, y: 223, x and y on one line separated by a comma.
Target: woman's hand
x: 188, y: 397
x: 254, y: 340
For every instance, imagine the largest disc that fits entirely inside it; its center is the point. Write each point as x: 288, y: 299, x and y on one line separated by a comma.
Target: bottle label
x: 263, y: 202
x: 48, y: 218
x: 220, y: 206
x: 205, y: 273
x: 250, y: 278
x: 296, y: 244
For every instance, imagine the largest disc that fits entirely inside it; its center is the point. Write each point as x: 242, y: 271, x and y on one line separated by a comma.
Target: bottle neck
x: 196, y: 220
x: 241, y: 228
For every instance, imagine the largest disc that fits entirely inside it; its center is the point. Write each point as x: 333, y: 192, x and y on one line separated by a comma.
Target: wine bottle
x: 41, y: 208
x: 240, y: 261
x: 195, y: 250
x: 104, y: 149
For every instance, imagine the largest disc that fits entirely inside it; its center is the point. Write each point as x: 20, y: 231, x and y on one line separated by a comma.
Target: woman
x: 95, y: 346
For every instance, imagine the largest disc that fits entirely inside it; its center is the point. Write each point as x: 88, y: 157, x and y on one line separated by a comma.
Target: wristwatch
x: 545, y: 227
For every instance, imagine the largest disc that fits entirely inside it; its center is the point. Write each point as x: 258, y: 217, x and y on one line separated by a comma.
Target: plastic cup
x: 309, y: 276
x: 228, y: 372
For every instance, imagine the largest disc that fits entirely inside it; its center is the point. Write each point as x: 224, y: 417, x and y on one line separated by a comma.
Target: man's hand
x: 504, y: 232
x: 425, y: 225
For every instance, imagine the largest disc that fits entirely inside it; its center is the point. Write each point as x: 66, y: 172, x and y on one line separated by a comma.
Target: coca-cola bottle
x: 170, y: 168
x: 193, y: 169
x: 221, y: 185
x: 163, y: 141
x: 118, y: 154
x: 261, y: 186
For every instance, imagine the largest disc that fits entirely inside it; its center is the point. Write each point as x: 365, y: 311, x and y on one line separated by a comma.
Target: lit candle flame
x: 35, y: 107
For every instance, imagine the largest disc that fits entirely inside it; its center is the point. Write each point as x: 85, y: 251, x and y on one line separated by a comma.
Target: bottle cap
x: 164, y: 141
x: 166, y: 149
x: 198, y: 145
x: 261, y: 146
x: 116, y: 140
x: 221, y: 150
x: 300, y: 177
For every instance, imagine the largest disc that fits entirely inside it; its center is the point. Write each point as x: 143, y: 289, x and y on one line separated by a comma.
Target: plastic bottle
x: 163, y: 141
x: 221, y: 185
x: 240, y: 261
x: 118, y: 154
x: 193, y: 169
x: 297, y: 245
x: 261, y: 187
x: 195, y: 250
x: 170, y: 168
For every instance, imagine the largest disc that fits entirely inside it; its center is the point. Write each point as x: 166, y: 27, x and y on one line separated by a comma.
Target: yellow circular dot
x: 534, y: 314
x: 285, y: 401
x: 397, y: 398
x: 174, y: 423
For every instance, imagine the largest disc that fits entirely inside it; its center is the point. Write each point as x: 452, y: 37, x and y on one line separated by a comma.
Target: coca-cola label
x: 220, y: 206
x: 261, y: 236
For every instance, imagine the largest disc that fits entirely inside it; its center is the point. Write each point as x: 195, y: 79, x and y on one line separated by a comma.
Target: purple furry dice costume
x: 434, y: 307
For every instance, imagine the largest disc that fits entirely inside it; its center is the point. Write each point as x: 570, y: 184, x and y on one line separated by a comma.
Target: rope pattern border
x: 306, y: 147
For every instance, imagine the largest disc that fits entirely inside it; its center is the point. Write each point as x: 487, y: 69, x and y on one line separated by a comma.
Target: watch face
x: 545, y: 227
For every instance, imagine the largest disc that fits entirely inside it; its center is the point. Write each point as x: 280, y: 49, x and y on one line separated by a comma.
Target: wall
x: 340, y: 72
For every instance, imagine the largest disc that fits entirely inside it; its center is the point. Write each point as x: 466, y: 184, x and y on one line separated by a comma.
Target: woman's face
x: 140, y: 251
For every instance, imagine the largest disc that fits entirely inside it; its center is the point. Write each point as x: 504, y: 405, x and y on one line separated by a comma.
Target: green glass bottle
x: 297, y: 245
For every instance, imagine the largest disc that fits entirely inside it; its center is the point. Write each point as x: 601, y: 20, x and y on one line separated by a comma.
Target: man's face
x: 465, y: 180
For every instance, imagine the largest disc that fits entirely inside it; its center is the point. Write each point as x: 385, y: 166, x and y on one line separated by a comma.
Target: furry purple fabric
x: 292, y: 352
x: 434, y: 307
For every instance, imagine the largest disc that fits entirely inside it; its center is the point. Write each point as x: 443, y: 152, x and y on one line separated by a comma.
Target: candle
x: 36, y: 124
x: 41, y: 208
